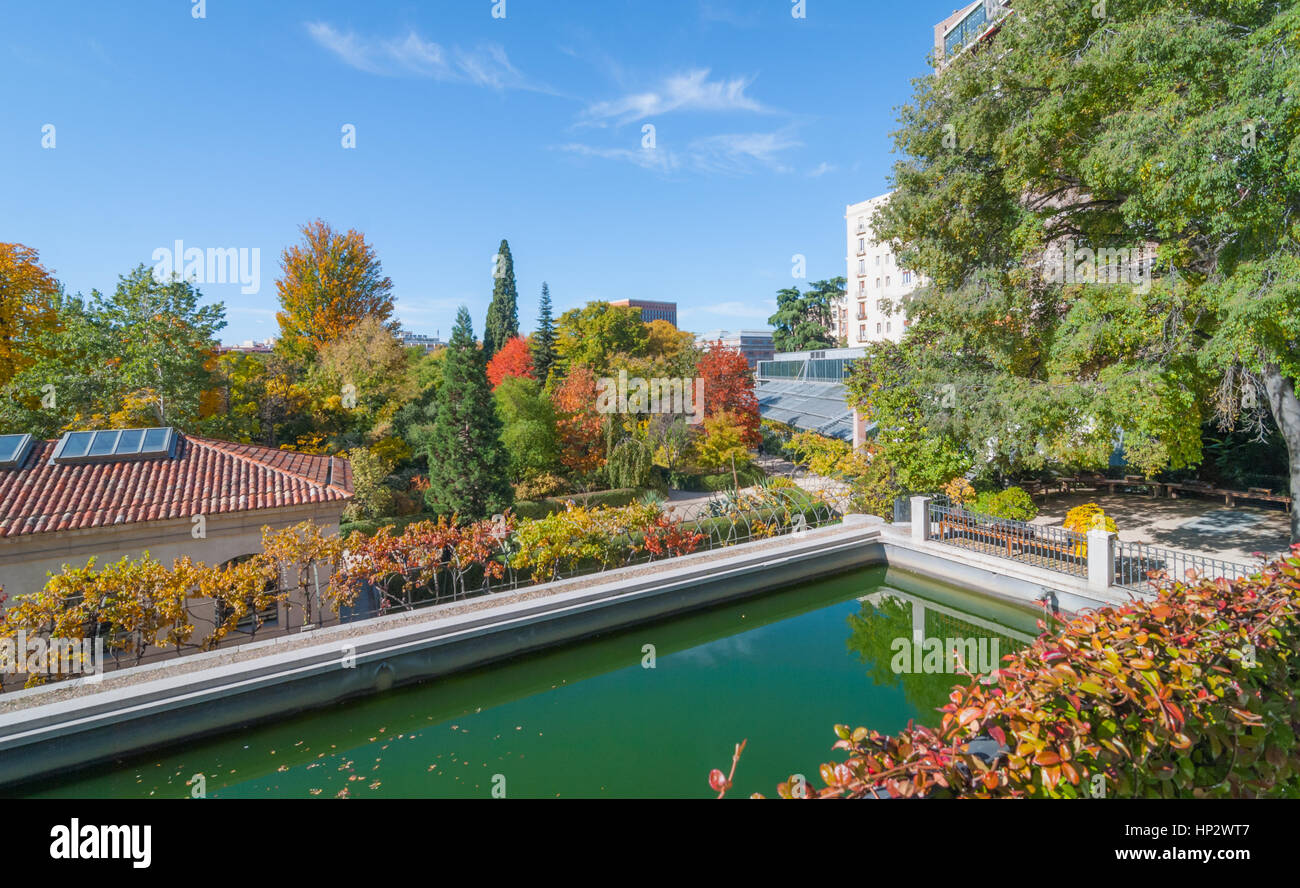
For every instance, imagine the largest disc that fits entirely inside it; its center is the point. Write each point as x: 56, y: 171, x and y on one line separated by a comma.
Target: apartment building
x: 650, y: 310
x: 877, y: 284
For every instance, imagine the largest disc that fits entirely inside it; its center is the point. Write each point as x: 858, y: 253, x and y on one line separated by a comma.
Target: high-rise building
x: 877, y: 284
x: 651, y: 311
x: 966, y: 26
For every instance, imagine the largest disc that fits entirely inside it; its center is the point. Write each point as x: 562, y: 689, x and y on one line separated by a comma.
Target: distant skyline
x: 227, y: 132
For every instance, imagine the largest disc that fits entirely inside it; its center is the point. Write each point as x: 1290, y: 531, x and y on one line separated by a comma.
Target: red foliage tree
x: 578, y: 422
x: 514, y: 359
x: 729, y: 386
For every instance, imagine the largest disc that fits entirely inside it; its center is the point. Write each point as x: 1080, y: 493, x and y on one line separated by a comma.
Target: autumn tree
x: 729, y: 387
x: 468, y: 467
x: 362, y: 376
x: 514, y: 359
x: 329, y: 284
x: 503, y: 312
x: 579, y: 424
x: 27, y: 307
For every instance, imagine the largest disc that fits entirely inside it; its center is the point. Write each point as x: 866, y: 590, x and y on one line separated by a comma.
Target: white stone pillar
x: 1101, y: 559
x: 920, y: 519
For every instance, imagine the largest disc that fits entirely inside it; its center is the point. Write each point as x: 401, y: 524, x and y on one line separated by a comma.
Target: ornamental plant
x: 1084, y: 518
x: 1190, y: 695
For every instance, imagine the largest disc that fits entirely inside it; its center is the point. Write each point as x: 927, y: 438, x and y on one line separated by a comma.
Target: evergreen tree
x: 543, y: 338
x: 468, y: 468
x: 503, y: 314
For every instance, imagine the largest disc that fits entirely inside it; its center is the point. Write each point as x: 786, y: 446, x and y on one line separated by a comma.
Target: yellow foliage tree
x: 328, y: 285
x: 27, y: 306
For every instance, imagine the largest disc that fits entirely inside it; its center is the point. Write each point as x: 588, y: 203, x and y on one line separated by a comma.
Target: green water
x: 589, y: 720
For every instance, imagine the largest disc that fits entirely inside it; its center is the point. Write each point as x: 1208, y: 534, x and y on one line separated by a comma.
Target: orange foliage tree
x: 729, y: 387
x: 579, y: 424
x: 514, y: 359
x: 27, y: 306
x: 328, y: 285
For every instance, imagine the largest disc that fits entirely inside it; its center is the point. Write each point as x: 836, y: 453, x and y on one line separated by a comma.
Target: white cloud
x: 412, y: 55
x: 692, y: 91
x: 820, y: 170
x: 726, y: 154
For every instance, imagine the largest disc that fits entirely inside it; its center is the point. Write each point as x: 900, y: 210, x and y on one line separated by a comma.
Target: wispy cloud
x: 413, y: 56
x: 726, y: 154
x: 820, y: 170
x: 691, y: 91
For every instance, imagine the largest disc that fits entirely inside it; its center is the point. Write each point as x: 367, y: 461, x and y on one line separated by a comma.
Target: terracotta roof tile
x: 206, y: 477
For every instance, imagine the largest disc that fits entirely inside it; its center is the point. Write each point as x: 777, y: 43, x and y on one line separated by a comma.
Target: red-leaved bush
x: 1191, y: 695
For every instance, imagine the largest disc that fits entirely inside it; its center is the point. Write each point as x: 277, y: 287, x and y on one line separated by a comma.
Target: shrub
x: 1013, y: 504
x: 543, y: 485
x: 1191, y: 695
x: 959, y: 491
x: 873, y: 491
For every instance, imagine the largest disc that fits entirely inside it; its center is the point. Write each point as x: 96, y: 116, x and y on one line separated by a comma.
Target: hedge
x: 1190, y: 695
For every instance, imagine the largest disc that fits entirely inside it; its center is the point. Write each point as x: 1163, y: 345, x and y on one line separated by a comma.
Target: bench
x: 1016, y: 540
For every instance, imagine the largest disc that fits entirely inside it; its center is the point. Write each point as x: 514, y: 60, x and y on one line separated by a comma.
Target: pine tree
x: 543, y: 338
x: 503, y: 314
x: 468, y: 467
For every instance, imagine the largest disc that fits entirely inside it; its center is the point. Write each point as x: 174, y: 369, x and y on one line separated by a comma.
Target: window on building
x: 862, y: 286
x: 862, y: 245
x: 877, y: 258
x: 877, y: 327
x: 862, y: 331
x: 862, y: 310
x: 887, y: 326
x: 886, y: 280
x: 877, y: 283
x: 907, y: 277
x: 862, y: 266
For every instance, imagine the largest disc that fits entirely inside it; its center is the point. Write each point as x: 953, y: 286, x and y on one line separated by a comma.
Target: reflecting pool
x: 594, y: 719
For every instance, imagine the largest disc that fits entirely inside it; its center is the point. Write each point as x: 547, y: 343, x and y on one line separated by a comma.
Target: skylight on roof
x: 115, y: 445
x: 14, y: 450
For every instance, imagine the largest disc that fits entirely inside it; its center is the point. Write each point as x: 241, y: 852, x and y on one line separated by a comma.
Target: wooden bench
x: 1015, y: 540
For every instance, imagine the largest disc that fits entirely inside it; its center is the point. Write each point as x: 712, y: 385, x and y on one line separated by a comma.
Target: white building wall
x: 873, y: 274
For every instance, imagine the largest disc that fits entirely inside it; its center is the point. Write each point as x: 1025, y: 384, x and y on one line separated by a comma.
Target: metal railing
x: 1053, y: 548
x: 1139, y: 566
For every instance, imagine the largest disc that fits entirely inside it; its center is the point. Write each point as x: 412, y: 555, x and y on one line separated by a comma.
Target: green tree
x: 594, y: 334
x: 528, y: 427
x: 543, y: 338
x: 503, y: 312
x: 803, y: 320
x: 467, y: 464
x: 144, y: 354
x: 1165, y: 123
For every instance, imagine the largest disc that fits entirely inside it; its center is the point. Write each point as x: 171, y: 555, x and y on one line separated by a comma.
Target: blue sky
x: 226, y: 131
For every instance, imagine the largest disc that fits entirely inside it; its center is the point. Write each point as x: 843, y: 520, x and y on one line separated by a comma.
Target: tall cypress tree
x: 503, y: 313
x: 543, y: 338
x: 468, y: 467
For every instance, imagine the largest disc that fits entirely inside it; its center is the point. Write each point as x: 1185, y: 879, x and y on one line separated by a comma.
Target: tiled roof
x: 206, y: 477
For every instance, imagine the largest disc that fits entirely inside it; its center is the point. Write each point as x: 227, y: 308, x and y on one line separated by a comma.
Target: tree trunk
x: 1285, y: 406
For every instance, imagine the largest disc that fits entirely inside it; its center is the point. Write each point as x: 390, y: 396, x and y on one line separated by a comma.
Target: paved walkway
x: 1193, y: 524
